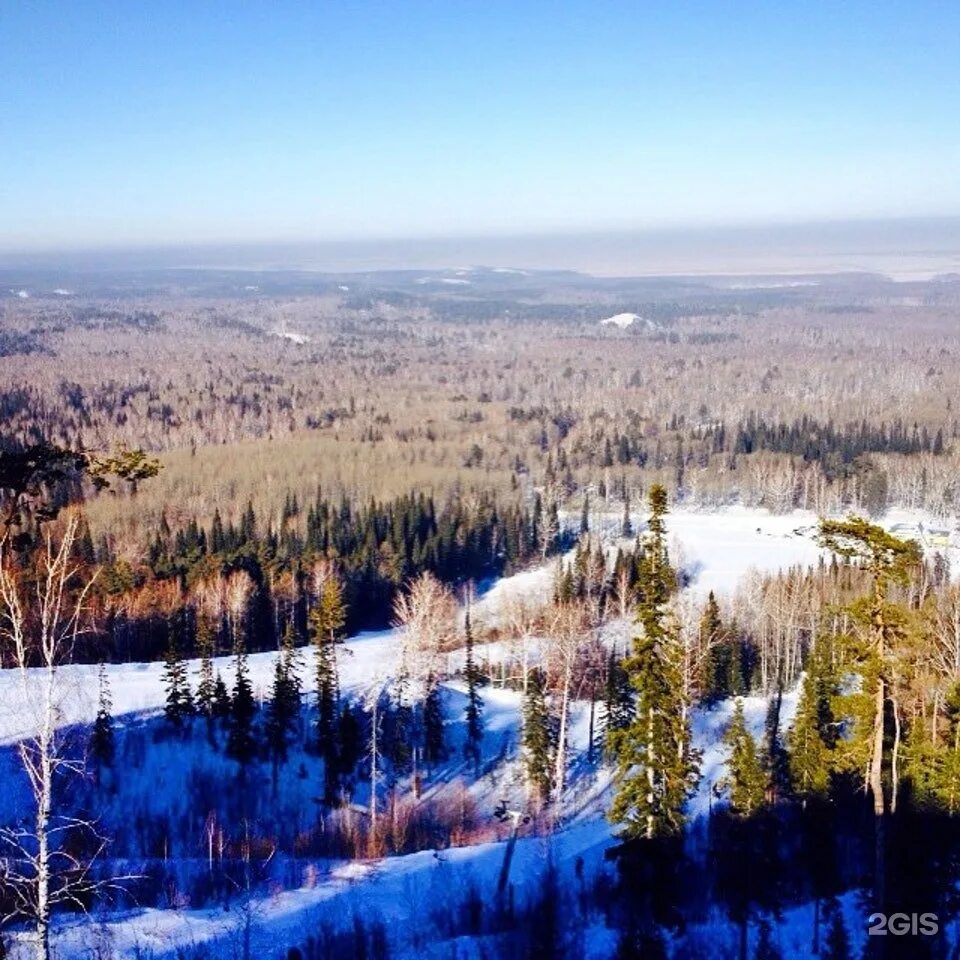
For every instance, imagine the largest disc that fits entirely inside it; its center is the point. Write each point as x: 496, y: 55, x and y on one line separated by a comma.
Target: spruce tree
x: 241, y: 740
x: 774, y: 758
x: 179, y: 701
x: 221, y: 699
x: 102, y: 738
x: 537, y: 740
x: 399, y: 732
x: 745, y: 777
x: 715, y: 641
x: 284, y: 709
x: 349, y: 741
x: 618, y: 697
x: 812, y: 735
x: 657, y: 767
x: 434, y: 746
x: 473, y: 712
x: 326, y: 622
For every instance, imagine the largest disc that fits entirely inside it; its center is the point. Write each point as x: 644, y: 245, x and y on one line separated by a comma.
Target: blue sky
x: 151, y: 123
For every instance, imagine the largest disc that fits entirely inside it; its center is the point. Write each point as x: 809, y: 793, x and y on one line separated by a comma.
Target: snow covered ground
x: 717, y: 549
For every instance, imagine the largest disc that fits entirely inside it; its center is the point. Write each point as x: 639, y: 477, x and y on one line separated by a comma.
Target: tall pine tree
x: 102, y: 738
x: 326, y: 622
x: 241, y: 740
x: 473, y: 711
x: 283, y: 711
x: 537, y: 740
x: 179, y: 701
x: 656, y: 765
x: 745, y: 778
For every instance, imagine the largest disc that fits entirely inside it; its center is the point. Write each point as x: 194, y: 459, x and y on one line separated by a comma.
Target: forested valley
x: 357, y: 616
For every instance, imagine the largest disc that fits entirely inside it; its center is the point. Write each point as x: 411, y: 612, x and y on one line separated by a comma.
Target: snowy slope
x: 717, y: 549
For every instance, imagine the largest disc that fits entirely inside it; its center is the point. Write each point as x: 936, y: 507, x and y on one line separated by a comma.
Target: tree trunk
x: 562, y: 738
x: 650, y: 761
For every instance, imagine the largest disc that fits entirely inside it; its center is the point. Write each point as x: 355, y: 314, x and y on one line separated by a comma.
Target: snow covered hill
x: 716, y: 549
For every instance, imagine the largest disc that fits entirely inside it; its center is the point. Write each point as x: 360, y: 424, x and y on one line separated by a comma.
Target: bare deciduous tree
x: 39, y: 624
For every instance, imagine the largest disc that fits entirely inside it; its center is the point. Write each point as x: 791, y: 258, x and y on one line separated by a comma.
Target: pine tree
x: 434, y: 746
x: 102, y: 738
x: 537, y: 740
x: 812, y: 735
x: 715, y: 641
x: 284, y: 708
x: 241, y: 741
x: 774, y: 758
x: 657, y: 767
x: 473, y: 712
x: 618, y: 697
x: 179, y: 701
x: 221, y: 699
x: 745, y: 777
x: 886, y: 559
x: 585, y: 515
x: 399, y: 730
x: 326, y: 622
x: 947, y: 768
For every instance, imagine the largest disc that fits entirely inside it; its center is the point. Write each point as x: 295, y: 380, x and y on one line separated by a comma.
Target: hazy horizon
x: 914, y: 248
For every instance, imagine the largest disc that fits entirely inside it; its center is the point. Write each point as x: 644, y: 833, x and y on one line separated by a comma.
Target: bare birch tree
x: 39, y: 624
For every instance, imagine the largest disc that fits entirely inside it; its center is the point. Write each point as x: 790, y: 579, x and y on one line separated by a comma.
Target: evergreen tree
x: 206, y: 688
x: 221, y: 699
x: 774, y: 758
x: 618, y: 697
x: 179, y: 701
x: 473, y: 710
x: 944, y: 771
x: 537, y: 740
x: 886, y: 559
x: 326, y: 622
x: 585, y: 515
x: 349, y: 741
x: 241, y: 740
x: 657, y: 767
x: 738, y: 669
x: 399, y: 730
x: 713, y: 638
x: 434, y: 746
x: 745, y: 778
x: 102, y: 738
x: 283, y: 711
x: 812, y: 734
